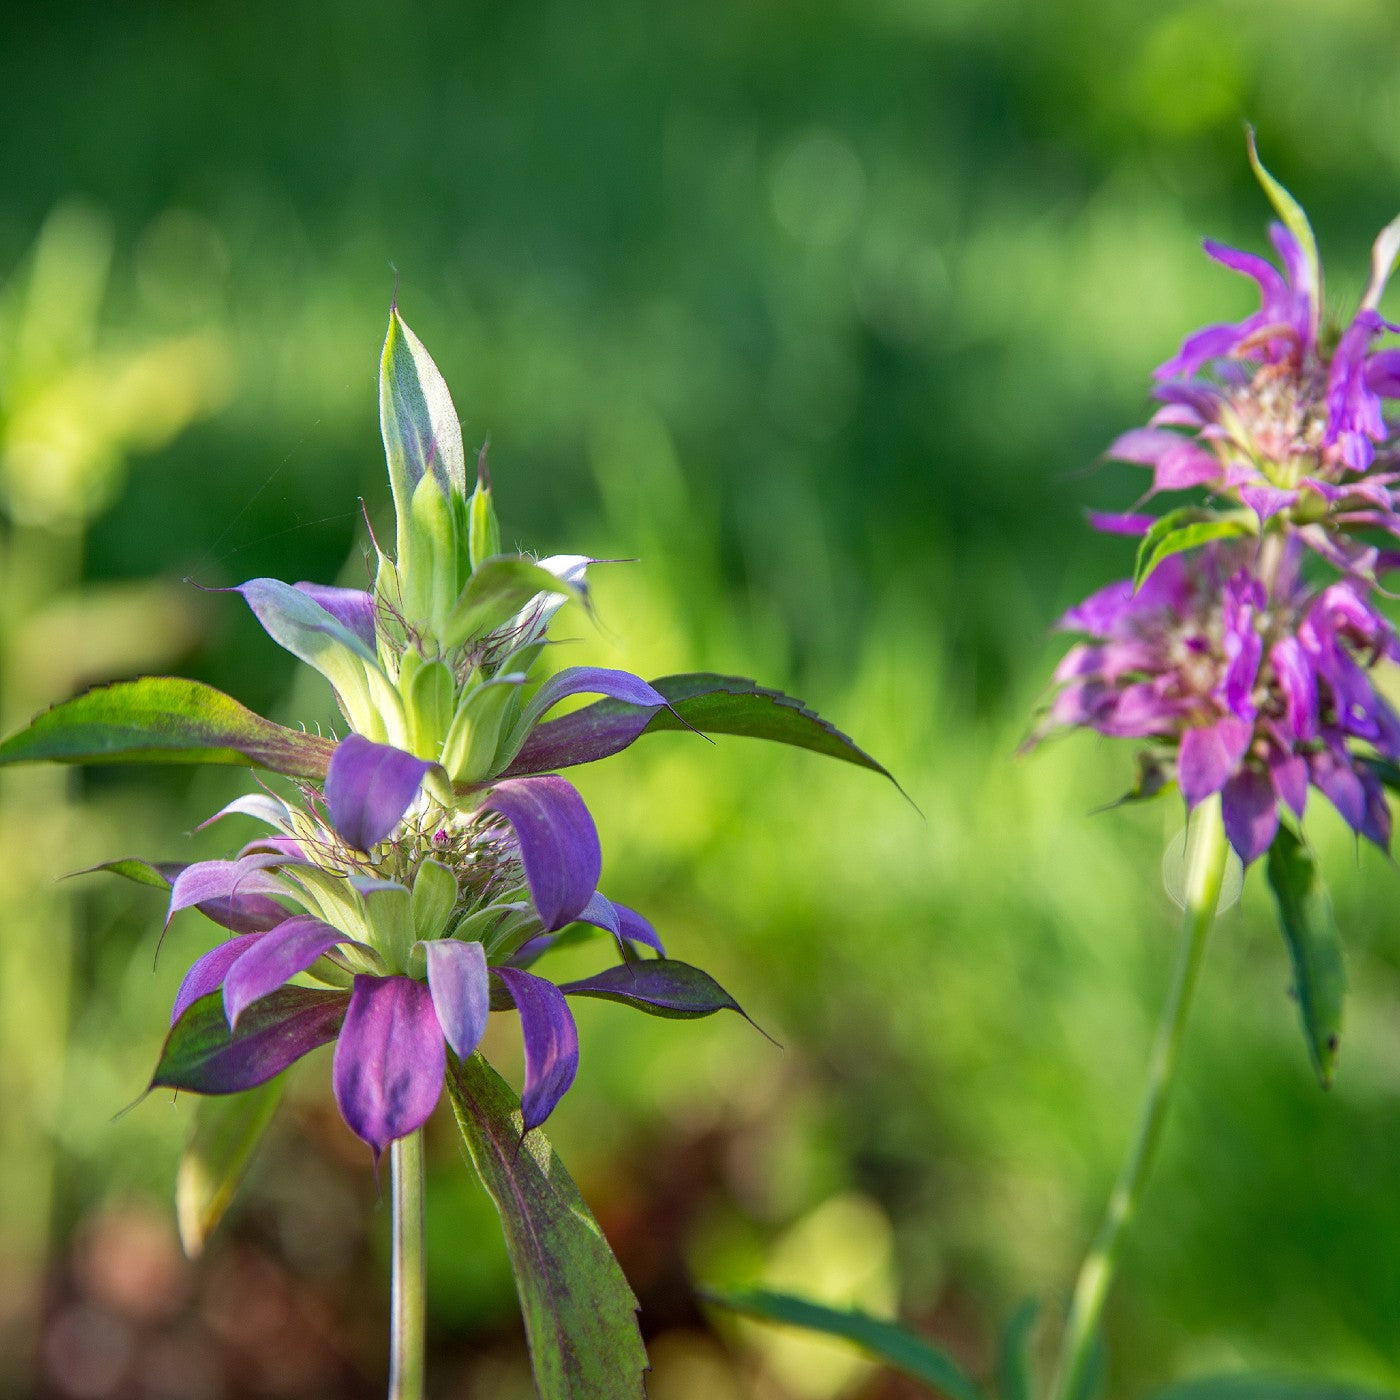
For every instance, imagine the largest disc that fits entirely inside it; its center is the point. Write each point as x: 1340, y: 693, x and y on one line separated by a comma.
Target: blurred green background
x: 823, y: 314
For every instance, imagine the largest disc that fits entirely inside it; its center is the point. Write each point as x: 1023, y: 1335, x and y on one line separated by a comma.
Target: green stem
x: 1206, y: 857
x: 409, y: 1284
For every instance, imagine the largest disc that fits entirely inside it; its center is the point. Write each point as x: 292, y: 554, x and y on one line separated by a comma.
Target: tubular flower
x: 1279, y: 415
x: 1250, y: 688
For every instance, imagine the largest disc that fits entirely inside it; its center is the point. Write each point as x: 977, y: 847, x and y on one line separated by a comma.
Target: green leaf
x: 1015, y: 1363
x: 497, y: 590
x: 141, y: 872
x: 1267, y: 1388
x: 1180, y: 530
x: 163, y: 719
x: 483, y: 530
x: 227, y: 1131
x: 732, y: 705
x: 1295, y: 220
x: 580, y: 1314
x: 1314, y: 944
x: 889, y: 1342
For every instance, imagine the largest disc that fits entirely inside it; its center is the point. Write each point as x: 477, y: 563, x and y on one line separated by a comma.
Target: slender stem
x: 1206, y: 856
x: 409, y: 1284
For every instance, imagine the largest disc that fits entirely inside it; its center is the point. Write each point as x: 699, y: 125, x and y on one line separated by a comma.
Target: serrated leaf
x: 712, y: 704
x: 1015, y: 1363
x: 1182, y: 530
x: 886, y: 1341
x: 202, y: 1055
x: 1267, y: 1388
x: 227, y: 1132
x: 1315, y: 946
x: 165, y: 719
x: 580, y: 1314
x: 497, y: 590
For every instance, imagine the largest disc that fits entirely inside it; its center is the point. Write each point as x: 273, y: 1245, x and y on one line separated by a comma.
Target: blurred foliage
x: 821, y: 312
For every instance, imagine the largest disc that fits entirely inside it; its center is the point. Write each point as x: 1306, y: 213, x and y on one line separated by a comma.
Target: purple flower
x: 1275, y: 414
x: 1249, y: 688
x: 427, y: 915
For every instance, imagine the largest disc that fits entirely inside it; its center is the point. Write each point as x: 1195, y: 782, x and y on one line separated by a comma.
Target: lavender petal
x: 207, y: 973
x: 551, y: 1041
x: 558, y: 844
x: 277, y: 956
x: 1209, y: 755
x: 389, y: 1060
x: 353, y: 608
x: 461, y: 990
x: 1250, y: 812
x: 369, y: 787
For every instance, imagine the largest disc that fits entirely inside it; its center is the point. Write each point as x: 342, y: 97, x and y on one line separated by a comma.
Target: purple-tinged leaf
x: 369, y: 787
x: 461, y: 991
x: 580, y: 1315
x: 207, y: 973
x: 710, y: 703
x: 551, y: 1041
x: 660, y: 987
x: 353, y: 608
x: 1209, y: 755
x: 202, y: 1055
x: 558, y: 844
x: 234, y: 893
x: 277, y: 956
x: 389, y: 1060
x: 163, y: 719
x: 1130, y: 523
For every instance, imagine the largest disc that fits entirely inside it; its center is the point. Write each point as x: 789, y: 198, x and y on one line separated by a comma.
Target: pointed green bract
x: 422, y: 436
x: 580, y: 1314
x: 886, y: 1341
x: 163, y: 719
x: 227, y: 1132
x: 1315, y: 946
x: 483, y: 529
x: 1294, y: 219
x: 498, y: 589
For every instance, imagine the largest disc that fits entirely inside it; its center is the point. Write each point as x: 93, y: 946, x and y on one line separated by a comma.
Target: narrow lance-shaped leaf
x: 710, y: 703
x: 1015, y: 1360
x: 1295, y: 220
x: 1267, y: 1388
x: 886, y: 1341
x: 580, y: 1315
x: 163, y: 719
x: 1315, y: 946
x: 226, y: 1135
x: 202, y: 1055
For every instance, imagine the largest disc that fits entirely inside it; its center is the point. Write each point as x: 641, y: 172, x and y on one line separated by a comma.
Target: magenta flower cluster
x: 1244, y: 649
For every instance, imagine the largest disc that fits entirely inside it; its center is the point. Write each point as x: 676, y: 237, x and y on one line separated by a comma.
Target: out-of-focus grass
x: 820, y: 314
